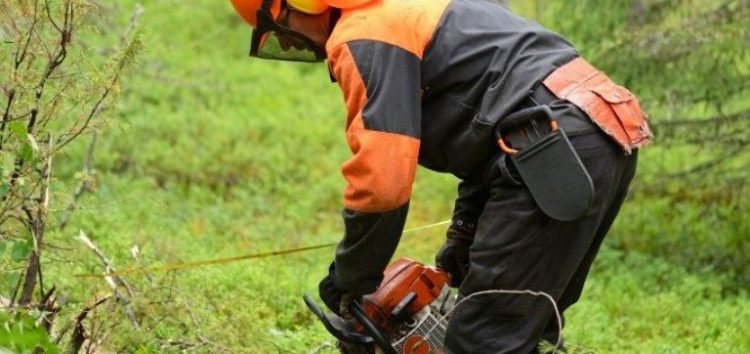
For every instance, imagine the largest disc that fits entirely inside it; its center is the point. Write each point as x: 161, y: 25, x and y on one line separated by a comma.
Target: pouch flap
x: 613, y: 93
x: 556, y: 177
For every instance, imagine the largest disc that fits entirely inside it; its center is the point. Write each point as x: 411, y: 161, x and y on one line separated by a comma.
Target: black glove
x: 453, y: 257
x: 334, y: 295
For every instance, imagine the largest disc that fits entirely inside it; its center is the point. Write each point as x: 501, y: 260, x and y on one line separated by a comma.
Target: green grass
x: 210, y: 154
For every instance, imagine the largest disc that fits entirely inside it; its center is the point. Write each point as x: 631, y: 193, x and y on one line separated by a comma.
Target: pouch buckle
x: 524, y: 134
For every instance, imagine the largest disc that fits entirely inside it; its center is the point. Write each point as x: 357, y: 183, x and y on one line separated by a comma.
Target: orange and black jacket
x: 425, y: 82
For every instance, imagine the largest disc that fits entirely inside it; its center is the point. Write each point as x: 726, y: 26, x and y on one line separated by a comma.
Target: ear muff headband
x: 346, y: 4
x: 311, y: 7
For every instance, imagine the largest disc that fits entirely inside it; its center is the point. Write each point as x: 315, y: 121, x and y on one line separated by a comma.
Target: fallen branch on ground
x: 113, y: 281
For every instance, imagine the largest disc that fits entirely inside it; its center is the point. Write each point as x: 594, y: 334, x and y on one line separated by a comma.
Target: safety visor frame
x: 267, y: 28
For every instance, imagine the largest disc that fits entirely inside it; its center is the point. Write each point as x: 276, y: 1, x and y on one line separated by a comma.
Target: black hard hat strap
x: 267, y: 5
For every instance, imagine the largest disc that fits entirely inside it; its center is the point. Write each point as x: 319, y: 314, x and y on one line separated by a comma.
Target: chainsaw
x: 407, y: 314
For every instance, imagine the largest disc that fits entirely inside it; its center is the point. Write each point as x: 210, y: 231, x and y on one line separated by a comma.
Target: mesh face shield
x: 272, y: 40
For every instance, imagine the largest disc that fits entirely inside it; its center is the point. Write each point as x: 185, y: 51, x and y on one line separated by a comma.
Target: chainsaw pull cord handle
x: 356, y: 310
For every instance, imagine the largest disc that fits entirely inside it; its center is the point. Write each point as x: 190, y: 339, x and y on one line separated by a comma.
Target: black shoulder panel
x: 392, y: 79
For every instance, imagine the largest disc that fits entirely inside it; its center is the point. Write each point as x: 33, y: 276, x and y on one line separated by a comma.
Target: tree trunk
x: 34, y: 268
x: 38, y: 221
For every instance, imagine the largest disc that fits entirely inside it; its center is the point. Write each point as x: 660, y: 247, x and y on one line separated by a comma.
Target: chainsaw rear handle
x: 380, y: 340
x: 337, y: 326
x: 342, y: 330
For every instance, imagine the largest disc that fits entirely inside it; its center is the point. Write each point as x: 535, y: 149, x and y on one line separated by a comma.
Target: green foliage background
x: 690, y: 63
x: 20, y: 333
x: 211, y: 155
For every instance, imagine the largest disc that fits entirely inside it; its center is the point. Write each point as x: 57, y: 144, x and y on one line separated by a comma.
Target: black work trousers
x: 518, y: 247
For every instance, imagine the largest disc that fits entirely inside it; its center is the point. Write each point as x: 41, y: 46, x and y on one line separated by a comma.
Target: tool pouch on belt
x: 547, y: 163
x: 612, y: 107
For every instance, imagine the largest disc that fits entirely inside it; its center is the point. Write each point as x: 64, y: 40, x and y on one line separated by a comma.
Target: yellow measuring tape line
x: 198, y: 264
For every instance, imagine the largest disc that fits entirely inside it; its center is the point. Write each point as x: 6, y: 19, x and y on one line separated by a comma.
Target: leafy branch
x: 53, y: 93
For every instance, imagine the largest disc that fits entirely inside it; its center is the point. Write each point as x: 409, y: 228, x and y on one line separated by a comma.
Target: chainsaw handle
x: 337, y: 326
x: 356, y: 310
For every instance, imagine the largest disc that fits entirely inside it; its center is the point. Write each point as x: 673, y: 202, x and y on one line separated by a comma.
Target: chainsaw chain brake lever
x: 337, y: 326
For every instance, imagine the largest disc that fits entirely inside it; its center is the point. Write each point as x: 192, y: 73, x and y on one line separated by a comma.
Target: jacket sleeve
x: 381, y: 86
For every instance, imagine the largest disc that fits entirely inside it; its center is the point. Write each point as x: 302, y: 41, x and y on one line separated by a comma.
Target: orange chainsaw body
x: 407, y: 284
x: 405, y: 315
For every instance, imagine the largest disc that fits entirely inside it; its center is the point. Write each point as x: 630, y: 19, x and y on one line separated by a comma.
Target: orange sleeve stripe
x: 348, y: 77
x: 381, y: 172
x: 390, y: 21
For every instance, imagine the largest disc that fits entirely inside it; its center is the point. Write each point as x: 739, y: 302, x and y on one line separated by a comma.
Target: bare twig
x: 79, y: 333
x: 132, y: 24
x: 65, y: 37
x: 112, y: 281
x: 109, y: 267
x: 49, y: 16
x: 6, y: 114
x: 92, y: 113
x: 136, y: 252
x: 50, y: 308
x: 20, y: 55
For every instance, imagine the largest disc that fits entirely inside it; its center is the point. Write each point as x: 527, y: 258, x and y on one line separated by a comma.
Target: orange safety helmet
x: 248, y: 8
x: 273, y: 39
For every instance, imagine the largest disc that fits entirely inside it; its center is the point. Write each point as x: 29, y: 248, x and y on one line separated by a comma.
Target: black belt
x: 568, y: 116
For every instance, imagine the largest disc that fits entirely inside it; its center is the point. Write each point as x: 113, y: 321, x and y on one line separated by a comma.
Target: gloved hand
x: 334, y: 295
x: 338, y: 300
x: 453, y: 257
